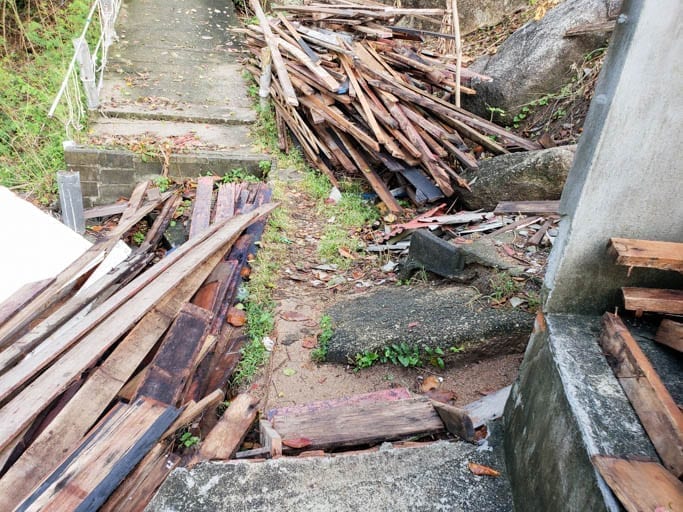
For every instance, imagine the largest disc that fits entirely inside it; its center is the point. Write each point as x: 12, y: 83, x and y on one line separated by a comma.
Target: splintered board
x: 670, y: 333
x: 647, y: 253
x: 358, y: 424
x: 91, y: 473
x: 659, y: 414
x: 641, y: 485
x: 653, y: 300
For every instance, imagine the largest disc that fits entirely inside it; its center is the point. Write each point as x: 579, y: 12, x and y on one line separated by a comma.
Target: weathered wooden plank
x: 457, y: 421
x: 670, y: 333
x: 527, y: 207
x: 658, y: 412
x: 91, y: 473
x: 653, y: 300
x: 225, y: 202
x: 225, y: 438
x: 106, y: 210
x: 270, y: 439
x: 142, y: 483
x: 641, y: 485
x: 135, y: 201
x: 647, y: 253
x: 171, y: 367
x: 359, y: 424
x: 153, y: 236
x: 98, y: 391
x: 193, y: 410
x: 14, y: 303
x: 29, y: 402
x: 201, y: 207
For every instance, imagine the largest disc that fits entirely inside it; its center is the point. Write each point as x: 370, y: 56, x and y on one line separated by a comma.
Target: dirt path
x: 306, y: 286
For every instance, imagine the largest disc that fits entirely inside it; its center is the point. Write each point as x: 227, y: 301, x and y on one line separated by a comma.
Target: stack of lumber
x: 95, y: 379
x: 647, y: 485
x: 362, y: 99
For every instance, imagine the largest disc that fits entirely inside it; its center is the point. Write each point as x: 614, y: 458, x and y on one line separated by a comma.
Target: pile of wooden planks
x: 363, y: 99
x: 647, y: 485
x: 96, y: 378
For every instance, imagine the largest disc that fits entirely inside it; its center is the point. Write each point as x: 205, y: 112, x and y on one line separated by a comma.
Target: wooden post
x: 266, y: 76
x: 458, y: 50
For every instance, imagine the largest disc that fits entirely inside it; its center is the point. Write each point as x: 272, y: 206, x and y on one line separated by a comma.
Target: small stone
x: 236, y: 317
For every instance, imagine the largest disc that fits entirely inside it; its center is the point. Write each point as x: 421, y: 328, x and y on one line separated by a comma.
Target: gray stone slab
x: 565, y: 407
x: 430, y: 478
x: 443, y: 316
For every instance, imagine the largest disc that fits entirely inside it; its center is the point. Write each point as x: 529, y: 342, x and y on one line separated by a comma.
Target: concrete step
x: 432, y: 477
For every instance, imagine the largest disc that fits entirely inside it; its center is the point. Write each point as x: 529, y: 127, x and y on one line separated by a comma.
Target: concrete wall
x: 108, y: 174
x: 627, y: 179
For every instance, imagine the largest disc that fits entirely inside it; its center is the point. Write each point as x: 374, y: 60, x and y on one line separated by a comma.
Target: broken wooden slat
x: 457, y: 421
x: 135, y: 201
x: 167, y: 374
x: 641, y: 485
x: 359, y: 424
x: 670, y: 333
x: 91, y: 473
x: 141, y: 484
x: 225, y: 438
x: 488, y: 408
x: 154, y: 234
x: 29, y: 402
x: 647, y: 253
x: 527, y: 207
x: 201, y: 207
x: 105, y: 210
x: 15, y: 302
x: 193, y: 410
x: 653, y: 300
x: 658, y: 413
x: 270, y: 439
x: 98, y: 391
x: 225, y: 202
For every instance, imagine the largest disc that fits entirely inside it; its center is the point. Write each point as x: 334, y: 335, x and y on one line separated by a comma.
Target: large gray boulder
x: 531, y: 176
x: 536, y: 60
x: 473, y: 14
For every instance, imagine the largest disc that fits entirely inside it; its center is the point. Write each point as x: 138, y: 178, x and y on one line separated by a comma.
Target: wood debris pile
x: 641, y: 484
x: 97, y: 378
x: 363, y: 99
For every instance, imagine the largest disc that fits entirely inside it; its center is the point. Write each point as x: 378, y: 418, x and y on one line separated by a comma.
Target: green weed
x: 188, y: 440
x: 319, y: 354
x: 138, y: 237
x: 503, y: 286
x: 239, y: 175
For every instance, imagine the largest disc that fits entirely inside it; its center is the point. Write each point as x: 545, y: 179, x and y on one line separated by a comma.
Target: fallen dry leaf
x: 441, y: 395
x: 481, y: 470
x: 236, y: 317
x: 310, y: 342
x: 245, y: 272
x: 344, y: 252
x: 413, y: 324
x: 429, y: 383
x: 294, y: 316
x: 299, y: 442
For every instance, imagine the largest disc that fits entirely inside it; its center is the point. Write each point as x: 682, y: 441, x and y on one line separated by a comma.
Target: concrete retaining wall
x: 108, y: 174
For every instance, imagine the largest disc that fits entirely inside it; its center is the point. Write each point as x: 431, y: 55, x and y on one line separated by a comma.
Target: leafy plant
x: 366, y: 359
x: 163, y: 183
x: 264, y: 166
x: 138, y: 237
x: 495, y: 111
x: 239, y: 175
x: 319, y: 353
x: 503, y: 286
x: 188, y: 440
x: 435, y: 356
x: 402, y: 354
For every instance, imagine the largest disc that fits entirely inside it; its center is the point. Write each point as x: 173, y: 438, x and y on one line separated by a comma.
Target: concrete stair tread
x: 430, y: 477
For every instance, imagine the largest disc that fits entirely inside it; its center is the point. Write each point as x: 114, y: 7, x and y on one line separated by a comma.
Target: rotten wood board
x: 21, y: 410
x: 659, y: 414
x: 172, y: 365
x: 227, y: 436
x: 527, y: 207
x: 201, y: 207
x: 489, y: 408
x: 18, y: 300
x: 135, y: 492
x: 653, y: 300
x: 358, y: 424
x: 457, y: 421
x: 670, y: 333
x: 98, y: 391
x: 647, y: 253
x: 92, y: 472
x: 320, y: 405
x: 641, y: 485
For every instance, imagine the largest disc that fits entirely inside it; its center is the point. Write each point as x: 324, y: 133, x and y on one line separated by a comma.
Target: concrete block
x: 113, y: 158
x: 80, y: 155
x: 90, y: 188
x: 87, y: 172
x: 110, y: 193
x: 118, y: 176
